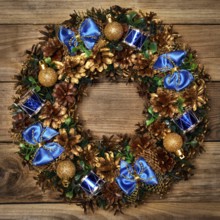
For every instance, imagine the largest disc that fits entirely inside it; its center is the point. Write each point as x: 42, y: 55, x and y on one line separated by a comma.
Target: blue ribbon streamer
x: 179, y: 79
x: 127, y: 181
x: 89, y: 33
x: 36, y: 134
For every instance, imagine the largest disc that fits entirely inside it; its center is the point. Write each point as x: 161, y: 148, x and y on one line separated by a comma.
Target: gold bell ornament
x: 47, y: 76
x: 65, y: 171
x: 113, y: 31
x: 173, y: 142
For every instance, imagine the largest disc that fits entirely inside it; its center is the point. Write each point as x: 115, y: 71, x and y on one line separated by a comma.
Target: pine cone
x: 64, y: 94
x: 90, y: 154
x: 20, y: 122
x: 158, y: 129
x: 123, y: 58
x: 166, y: 161
x: 139, y: 144
x: 72, y: 68
x: 164, y: 102
x: 107, y: 167
x: 112, y: 193
x: 164, y: 184
x: 195, y: 95
x: 53, y: 48
x: 69, y: 141
x: 145, y: 146
x: 100, y: 60
x: 53, y: 115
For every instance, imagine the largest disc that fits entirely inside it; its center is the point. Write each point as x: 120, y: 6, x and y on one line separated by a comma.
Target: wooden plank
x: 110, y: 108
x: 173, y: 11
x: 17, y: 184
x: 15, y: 39
x: 150, y: 211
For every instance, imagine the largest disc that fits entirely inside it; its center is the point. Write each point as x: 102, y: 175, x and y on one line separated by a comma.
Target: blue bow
x: 127, y: 180
x: 178, y: 79
x: 36, y: 134
x: 88, y: 31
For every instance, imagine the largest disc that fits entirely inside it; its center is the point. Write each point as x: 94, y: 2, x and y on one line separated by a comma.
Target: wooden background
x: 107, y: 112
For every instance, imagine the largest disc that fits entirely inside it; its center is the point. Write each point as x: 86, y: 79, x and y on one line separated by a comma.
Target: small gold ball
x: 65, y: 171
x: 172, y: 142
x: 47, y: 77
x: 113, y: 31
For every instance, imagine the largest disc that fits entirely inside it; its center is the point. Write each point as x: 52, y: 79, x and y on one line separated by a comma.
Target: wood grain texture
x: 15, y: 39
x: 106, y: 112
x: 17, y: 184
x: 171, y: 11
x: 150, y: 211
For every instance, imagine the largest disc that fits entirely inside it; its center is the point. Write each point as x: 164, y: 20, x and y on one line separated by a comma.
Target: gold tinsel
x: 164, y: 102
x: 107, y: 167
x: 53, y: 115
x: 195, y: 96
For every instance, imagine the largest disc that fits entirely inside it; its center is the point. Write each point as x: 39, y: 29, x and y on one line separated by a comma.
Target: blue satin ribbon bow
x: 127, y: 180
x: 89, y: 33
x: 36, y: 134
x: 178, y: 79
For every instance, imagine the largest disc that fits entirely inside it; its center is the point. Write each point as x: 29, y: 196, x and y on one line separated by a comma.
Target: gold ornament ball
x: 65, y: 171
x: 47, y: 76
x: 113, y: 31
x: 173, y: 142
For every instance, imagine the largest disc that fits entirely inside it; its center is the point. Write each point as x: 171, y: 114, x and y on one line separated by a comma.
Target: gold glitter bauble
x: 173, y: 142
x: 47, y: 76
x: 65, y: 171
x: 113, y: 31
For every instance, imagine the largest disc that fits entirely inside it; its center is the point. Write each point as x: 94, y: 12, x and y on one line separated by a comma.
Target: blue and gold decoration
x: 88, y: 32
x: 178, y: 79
x: 135, y: 38
x: 186, y: 121
x: 38, y: 135
x: 92, y: 184
x: 31, y: 103
x: 110, y: 172
x: 127, y: 180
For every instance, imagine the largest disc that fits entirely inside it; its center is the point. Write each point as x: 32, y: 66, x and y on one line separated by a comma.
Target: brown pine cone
x: 53, y: 48
x: 166, y: 161
x: 158, y: 129
x: 123, y: 58
x: 20, y: 122
x: 112, y: 193
x: 164, y: 102
x: 64, y: 94
x: 139, y: 144
x: 53, y: 115
x: 69, y: 141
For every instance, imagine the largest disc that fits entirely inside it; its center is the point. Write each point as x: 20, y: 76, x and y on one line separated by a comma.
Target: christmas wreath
x: 118, y: 44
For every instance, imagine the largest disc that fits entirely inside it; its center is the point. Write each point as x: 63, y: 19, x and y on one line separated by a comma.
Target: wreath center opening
x: 111, y: 108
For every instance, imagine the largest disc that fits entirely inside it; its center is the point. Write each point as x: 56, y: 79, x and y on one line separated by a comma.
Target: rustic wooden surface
x: 106, y: 112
